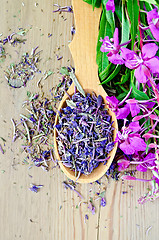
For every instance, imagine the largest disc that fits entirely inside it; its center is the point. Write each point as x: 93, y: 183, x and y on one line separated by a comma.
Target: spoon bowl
x: 83, y: 49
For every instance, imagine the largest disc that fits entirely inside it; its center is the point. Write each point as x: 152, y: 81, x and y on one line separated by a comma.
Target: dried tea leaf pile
x: 85, y: 133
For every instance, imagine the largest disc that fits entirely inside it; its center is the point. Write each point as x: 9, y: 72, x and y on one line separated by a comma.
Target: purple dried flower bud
x: 35, y: 188
x: 99, y: 101
x: 91, y: 208
x: 103, y: 202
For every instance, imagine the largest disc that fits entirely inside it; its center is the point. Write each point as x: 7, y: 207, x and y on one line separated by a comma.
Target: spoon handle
x: 83, y: 46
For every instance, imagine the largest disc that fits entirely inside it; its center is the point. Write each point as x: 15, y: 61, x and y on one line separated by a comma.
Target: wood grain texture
x: 52, y: 213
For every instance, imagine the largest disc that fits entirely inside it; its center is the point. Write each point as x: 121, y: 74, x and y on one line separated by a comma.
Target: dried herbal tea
x: 2, y: 54
x: 36, y: 126
x: 17, y: 75
x: 36, y: 129
x: 84, y: 133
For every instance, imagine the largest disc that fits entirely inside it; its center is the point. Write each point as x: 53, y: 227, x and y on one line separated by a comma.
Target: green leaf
x: 149, y: 1
x: 23, y: 32
x: 77, y: 84
x: 70, y: 103
x: 157, y: 112
x: 103, y: 75
x: 102, y: 194
x: 94, y: 3
x: 64, y: 71
x: 49, y: 73
x: 111, y: 21
x: 98, y: 3
x: 124, y: 78
x: 138, y: 95
x: 114, y: 73
x: 3, y: 139
x: 149, y: 33
x: 125, y: 31
x: 133, y: 11
x: 104, y: 30
x: 148, y: 6
x: 123, y: 89
x: 109, y: 16
x: 28, y: 94
x: 121, y: 96
x: 88, y: 1
x: 118, y: 13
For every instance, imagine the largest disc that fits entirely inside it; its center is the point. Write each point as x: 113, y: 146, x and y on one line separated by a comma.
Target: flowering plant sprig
x: 128, y: 64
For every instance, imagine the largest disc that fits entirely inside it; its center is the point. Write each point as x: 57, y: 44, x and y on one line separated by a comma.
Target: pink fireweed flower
x: 121, y: 113
x: 112, y: 46
x: 149, y: 135
x: 142, y: 161
x: 126, y: 106
x: 132, y: 106
x: 154, y: 117
x: 128, y: 177
x: 110, y: 6
x: 156, y: 146
x: 143, y: 63
x: 146, y: 113
x: 153, y: 21
x: 153, y: 145
x: 130, y: 141
x: 123, y: 164
x: 145, y: 162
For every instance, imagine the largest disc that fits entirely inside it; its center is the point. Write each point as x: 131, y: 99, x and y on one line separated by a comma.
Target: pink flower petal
x: 134, y: 126
x: 139, y: 74
x: 153, y: 14
x: 137, y: 143
x: 134, y: 109
x: 147, y: 136
x: 123, y: 164
x: 152, y: 145
x: 154, y: 117
x: 127, y: 148
x: 112, y: 100
x: 127, y: 53
x: 131, y: 101
x: 148, y: 104
x: 110, y: 6
x: 104, y: 48
x: 122, y: 113
x: 140, y: 168
x: 155, y: 31
x: 153, y: 64
x: 137, y: 118
x: 127, y: 177
x: 116, y: 37
x: 149, y: 50
x: 131, y: 58
x: 116, y: 59
x: 151, y: 157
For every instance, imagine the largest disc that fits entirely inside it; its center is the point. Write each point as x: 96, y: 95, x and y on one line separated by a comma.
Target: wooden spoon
x: 83, y: 49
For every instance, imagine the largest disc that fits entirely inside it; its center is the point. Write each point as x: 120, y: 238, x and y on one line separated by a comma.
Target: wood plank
x: 52, y: 213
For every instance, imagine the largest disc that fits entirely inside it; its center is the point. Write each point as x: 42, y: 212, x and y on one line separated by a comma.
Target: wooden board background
x: 52, y: 213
